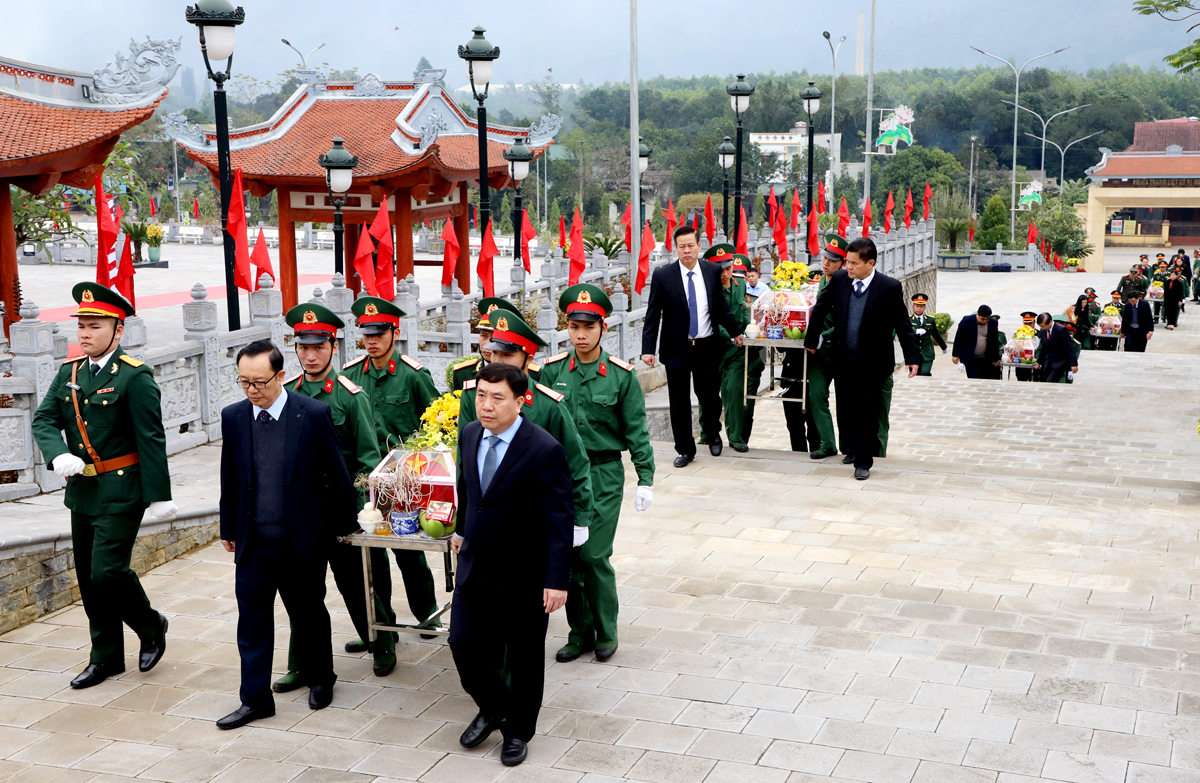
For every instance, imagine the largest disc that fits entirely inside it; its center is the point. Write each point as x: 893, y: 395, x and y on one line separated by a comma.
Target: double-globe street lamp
x: 739, y: 98
x: 1062, y: 151
x: 811, y: 98
x: 339, y: 176
x: 1045, y: 125
x: 726, y: 154
x: 833, y: 157
x: 215, y: 22
x: 519, y: 157
x: 479, y: 55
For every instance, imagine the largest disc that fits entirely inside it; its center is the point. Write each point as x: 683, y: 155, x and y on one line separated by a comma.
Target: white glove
x: 921, y: 332
x: 581, y: 536
x: 161, y: 511
x: 962, y: 367
x: 1070, y: 375
x: 645, y: 496
x: 67, y: 465
x: 944, y: 351
x: 820, y: 342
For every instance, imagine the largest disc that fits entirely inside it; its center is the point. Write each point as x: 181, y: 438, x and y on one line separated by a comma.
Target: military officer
x: 1159, y: 276
x: 469, y: 368
x: 1029, y: 319
x: 400, y: 389
x: 1134, y: 281
x: 114, y: 459
x: 927, y: 333
x: 1091, y: 317
x: 314, y: 330
x: 609, y: 409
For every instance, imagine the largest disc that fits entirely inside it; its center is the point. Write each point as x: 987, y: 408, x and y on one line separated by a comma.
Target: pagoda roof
x: 402, y: 132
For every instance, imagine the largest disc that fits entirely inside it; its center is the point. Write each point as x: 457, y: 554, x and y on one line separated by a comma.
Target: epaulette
x: 132, y: 362
x: 286, y: 381
x: 470, y: 384
x: 465, y: 363
x: 534, y: 367
x: 624, y: 365
x: 353, y: 387
x: 546, y: 390
x: 558, y: 357
x: 353, y: 362
x: 77, y: 358
x: 411, y: 362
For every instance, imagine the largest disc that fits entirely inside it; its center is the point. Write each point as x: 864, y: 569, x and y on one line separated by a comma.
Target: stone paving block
x: 823, y: 680
x: 977, y: 726
x: 1131, y: 747
x: 800, y: 757
x: 729, y: 746
x: 640, y: 706
x: 826, y: 705
x: 649, y: 735
x: 733, y: 772
x: 952, y: 697
x: 901, y: 715
x: 1096, y: 716
x: 941, y: 672
x: 1017, y: 705
x: 702, y: 688
x: 1146, y: 773
x: 767, y: 697
x: 602, y: 759
x: 1067, y: 689
x: 1078, y: 768
x: 654, y: 767
x: 928, y: 745
x: 880, y: 687
x: 856, y: 736
x: 1010, y: 681
x: 1038, y: 663
x: 1148, y: 699
x: 1003, y: 757
x: 875, y: 768
x: 935, y: 772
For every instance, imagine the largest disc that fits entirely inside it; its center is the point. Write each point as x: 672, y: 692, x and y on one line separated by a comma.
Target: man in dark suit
x: 1137, y: 323
x: 1056, y: 357
x: 516, y: 519
x: 868, y: 312
x: 686, y: 297
x: 285, y: 496
x: 977, y: 345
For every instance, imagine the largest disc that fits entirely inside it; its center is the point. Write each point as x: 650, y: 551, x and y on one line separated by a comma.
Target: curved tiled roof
x: 31, y: 131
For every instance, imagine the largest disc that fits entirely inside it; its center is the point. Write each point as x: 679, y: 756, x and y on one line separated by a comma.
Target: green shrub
x: 943, y: 321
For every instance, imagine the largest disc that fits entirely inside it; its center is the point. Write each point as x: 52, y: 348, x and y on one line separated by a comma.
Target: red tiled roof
x: 1150, y: 166
x: 1157, y: 136
x: 29, y: 130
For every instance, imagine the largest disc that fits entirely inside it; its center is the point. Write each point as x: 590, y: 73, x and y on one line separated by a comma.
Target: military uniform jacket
x: 925, y: 341
x: 608, y: 406
x: 353, y: 420
x: 122, y: 414
x: 545, y: 408
x: 399, y: 394
x: 465, y: 371
x: 1129, y: 284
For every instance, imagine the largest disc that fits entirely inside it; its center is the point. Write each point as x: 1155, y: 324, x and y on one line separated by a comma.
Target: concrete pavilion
x: 416, y: 147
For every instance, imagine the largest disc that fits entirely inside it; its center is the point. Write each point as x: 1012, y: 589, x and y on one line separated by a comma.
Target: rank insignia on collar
x: 328, y: 385
x: 529, y: 397
x: 392, y: 366
x: 603, y: 369
x: 113, y: 371
x: 571, y: 366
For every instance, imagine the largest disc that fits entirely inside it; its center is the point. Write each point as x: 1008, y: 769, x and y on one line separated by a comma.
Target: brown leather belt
x: 98, y: 465
x: 107, y: 465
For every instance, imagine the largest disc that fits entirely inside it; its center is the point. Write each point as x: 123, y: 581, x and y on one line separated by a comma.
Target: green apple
x: 434, y: 528
x: 792, y: 333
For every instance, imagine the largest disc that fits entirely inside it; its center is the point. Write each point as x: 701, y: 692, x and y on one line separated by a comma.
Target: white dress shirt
x: 102, y: 362
x: 865, y: 283
x: 276, y: 409
x: 499, y: 446
x: 703, y: 321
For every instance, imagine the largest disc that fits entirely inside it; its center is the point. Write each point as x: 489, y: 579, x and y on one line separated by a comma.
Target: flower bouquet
x: 789, y: 276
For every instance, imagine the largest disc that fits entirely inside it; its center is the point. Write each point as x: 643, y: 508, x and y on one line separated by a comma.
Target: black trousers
x: 1135, y: 342
x: 493, y: 634
x: 1024, y: 373
x: 982, y: 368
x: 701, y: 368
x: 1171, y: 313
x: 418, y: 582
x: 860, y: 402
x: 264, y: 569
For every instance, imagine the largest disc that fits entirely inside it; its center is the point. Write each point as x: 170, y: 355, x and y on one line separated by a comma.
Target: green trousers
x: 112, y: 593
x: 592, y: 592
x: 820, y: 376
x: 739, y: 412
x: 925, y: 368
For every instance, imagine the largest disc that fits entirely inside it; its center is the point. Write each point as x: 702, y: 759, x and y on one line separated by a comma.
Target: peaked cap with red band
x: 585, y: 302
x: 490, y: 304
x: 98, y: 300
x: 721, y: 254
x: 513, y: 334
x: 313, y: 323
x: 835, y: 246
x: 376, y: 315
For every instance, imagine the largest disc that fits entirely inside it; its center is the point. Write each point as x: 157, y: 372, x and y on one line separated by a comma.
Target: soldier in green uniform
x: 399, y: 389
x: 927, y: 333
x: 469, y: 368
x: 1134, y: 281
x: 1159, y: 277
x: 315, y: 331
x: 114, y: 459
x: 1110, y: 343
x: 1025, y: 374
x: 1087, y: 319
x: 609, y: 409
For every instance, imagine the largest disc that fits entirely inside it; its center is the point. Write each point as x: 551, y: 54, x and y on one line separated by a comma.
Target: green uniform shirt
x: 546, y: 408
x: 464, y: 372
x: 122, y: 414
x: 399, y: 394
x: 1128, y: 284
x: 607, y: 404
x: 925, y: 341
x: 352, y: 420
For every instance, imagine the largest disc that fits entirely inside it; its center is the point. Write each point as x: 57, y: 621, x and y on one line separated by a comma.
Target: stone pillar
x: 5, y: 356
x: 408, y: 300
x: 619, y: 321
x: 32, y: 346
x: 339, y: 300
x: 266, y: 309
x: 200, y: 323
x: 60, y: 344
x: 133, y: 340
x: 458, y: 323
x: 547, y: 327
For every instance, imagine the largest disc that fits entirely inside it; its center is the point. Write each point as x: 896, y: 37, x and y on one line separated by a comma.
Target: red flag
x: 696, y: 221
x: 710, y: 225
x: 672, y: 221
x: 124, y: 281
x: 780, y: 234
x: 450, y: 253
x: 627, y: 221
x: 562, y: 233
x: 772, y: 205
x: 971, y: 234
x: 866, y: 231
x: 843, y: 218
x: 236, y: 225
x: 928, y: 194
x: 152, y: 212
x: 578, y: 261
x: 196, y: 208
x: 363, y: 263
x: 821, y: 196
x: 262, y: 260
x: 814, y: 242
x: 528, y: 232
x: 1031, y: 237
x: 106, y: 233
x: 647, y: 248
x: 795, y: 223
x: 487, y: 251
x: 385, y: 267
x: 743, y: 232
x: 908, y: 209
x: 888, y: 208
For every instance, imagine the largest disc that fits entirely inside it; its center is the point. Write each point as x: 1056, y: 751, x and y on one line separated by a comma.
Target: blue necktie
x: 489, y: 464
x: 858, y: 287
x: 264, y: 416
x: 693, y: 312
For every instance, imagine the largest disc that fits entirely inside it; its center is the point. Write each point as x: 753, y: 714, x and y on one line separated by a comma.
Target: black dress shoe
x: 152, y: 651
x: 683, y: 459
x: 243, y: 715
x: 848, y: 459
x: 356, y: 646
x: 862, y: 474
x: 94, y: 674
x: 740, y: 449
x: 604, y: 653
x: 480, y: 729
x: 513, y: 752
x: 320, y: 696
x: 714, y: 448
x: 821, y: 454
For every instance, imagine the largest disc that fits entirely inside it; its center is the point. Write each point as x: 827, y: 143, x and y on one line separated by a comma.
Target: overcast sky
x: 589, y: 39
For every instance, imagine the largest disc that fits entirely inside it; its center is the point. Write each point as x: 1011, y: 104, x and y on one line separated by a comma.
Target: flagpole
x: 635, y: 183
x: 870, y: 108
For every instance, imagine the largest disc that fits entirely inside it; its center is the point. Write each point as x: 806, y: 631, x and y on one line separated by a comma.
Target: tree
x: 553, y: 220
x: 504, y: 225
x: 549, y: 93
x: 952, y: 213
x: 993, y: 226
x: 1186, y: 59
x: 913, y: 166
x: 424, y: 65
x: 1063, y: 228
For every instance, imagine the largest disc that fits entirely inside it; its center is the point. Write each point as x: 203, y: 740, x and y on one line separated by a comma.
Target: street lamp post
x: 833, y: 110
x: 726, y: 153
x: 1062, y: 151
x: 811, y: 97
x: 215, y: 22
x: 643, y: 164
x: 1012, y: 206
x: 339, y: 175
x: 971, y: 180
x: 479, y: 55
x: 1045, y: 123
x: 739, y: 98
x: 518, y: 157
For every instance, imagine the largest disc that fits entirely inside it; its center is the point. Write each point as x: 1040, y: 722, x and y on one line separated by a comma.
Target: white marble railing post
x: 200, y: 323
x: 408, y: 299
x: 340, y: 298
x: 32, y: 345
x: 458, y: 323
x: 266, y: 309
x: 547, y: 327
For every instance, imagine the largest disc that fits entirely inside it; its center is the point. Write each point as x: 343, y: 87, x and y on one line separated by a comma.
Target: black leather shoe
x: 714, y: 448
x: 740, y: 449
x: 513, y: 752
x: 862, y: 474
x: 569, y: 652
x: 320, y: 696
x: 152, y: 651
x: 480, y: 729
x: 848, y: 459
x: 604, y: 653
x: 243, y: 715
x: 356, y: 646
x: 822, y: 454
x: 683, y: 459
x: 94, y: 674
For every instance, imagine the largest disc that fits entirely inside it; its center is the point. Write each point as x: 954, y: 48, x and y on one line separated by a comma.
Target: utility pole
x: 635, y: 191
x: 581, y: 177
x: 870, y: 109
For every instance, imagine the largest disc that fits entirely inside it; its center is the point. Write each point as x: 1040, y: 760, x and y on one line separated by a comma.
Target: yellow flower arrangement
x: 1110, y: 311
x: 789, y: 275
x: 154, y: 231
x: 1024, y: 333
x: 439, y: 424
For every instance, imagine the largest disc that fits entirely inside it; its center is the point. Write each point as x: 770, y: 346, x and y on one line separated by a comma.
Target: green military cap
x: 1060, y: 319
x: 920, y: 298
x: 1116, y: 293
x: 1158, y: 255
x: 1135, y: 268
x: 741, y: 264
x: 490, y: 303
x: 98, y: 300
x: 376, y: 315
x: 1028, y: 316
x: 585, y: 302
x: 513, y: 334
x: 836, y: 246
x: 1089, y: 290
x: 313, y: 324
x: 721, y: 254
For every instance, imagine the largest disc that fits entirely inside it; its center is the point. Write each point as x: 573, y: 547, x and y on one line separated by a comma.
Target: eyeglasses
x: 256, y: 385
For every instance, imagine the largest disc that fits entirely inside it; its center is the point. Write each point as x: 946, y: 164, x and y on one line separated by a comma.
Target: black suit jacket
x: 668, y: 304
x: 884, y: 319
x: 517, y: 537
x: 1145, y: 318
x: 965, y: 338
x: 320, y: 500
x: 1058, y: 352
